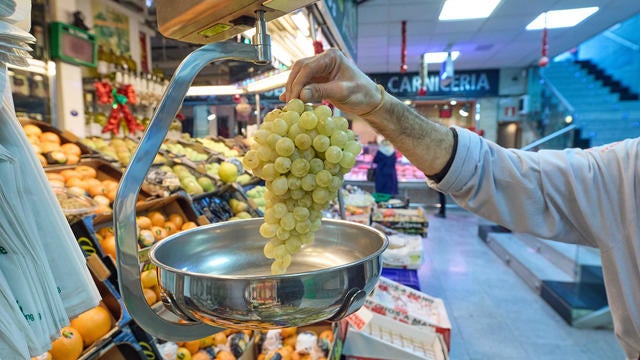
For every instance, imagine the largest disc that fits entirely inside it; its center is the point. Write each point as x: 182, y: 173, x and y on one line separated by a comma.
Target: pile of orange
x: 49, y: 147
x: 202, y: 349
x: 82, y: 180
x: 84, y: 330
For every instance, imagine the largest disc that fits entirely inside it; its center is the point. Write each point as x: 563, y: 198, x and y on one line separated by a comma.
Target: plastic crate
x: 215, y: 205
x: 407, y: 277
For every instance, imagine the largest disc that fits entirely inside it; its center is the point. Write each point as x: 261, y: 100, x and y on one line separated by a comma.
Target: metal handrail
x: 549, y: 137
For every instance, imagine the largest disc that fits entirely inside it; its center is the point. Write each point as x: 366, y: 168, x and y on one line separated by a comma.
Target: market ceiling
x: 495, y: 42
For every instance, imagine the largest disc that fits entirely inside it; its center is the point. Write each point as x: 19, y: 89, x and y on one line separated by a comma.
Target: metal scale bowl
x: 216, y: 275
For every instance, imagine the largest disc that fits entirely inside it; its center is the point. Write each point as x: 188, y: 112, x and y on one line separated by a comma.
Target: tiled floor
x: 494, y: 315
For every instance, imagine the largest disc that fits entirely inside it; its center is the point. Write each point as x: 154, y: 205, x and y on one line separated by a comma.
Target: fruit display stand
x: 408, y: 221
x: 227, y: 203
x: 179, y: 174
x: 53, y: 146
x: 116, y: 149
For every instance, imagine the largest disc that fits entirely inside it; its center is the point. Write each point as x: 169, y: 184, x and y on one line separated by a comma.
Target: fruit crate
x: 216, y: 206
x: 64, y: 136
x: 408, y: 221
x: 180, y: 150
x: 163, y: 179
x: 330, y: 338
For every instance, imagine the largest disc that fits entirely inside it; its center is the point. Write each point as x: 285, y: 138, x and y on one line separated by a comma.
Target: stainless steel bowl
x: 219, y: 275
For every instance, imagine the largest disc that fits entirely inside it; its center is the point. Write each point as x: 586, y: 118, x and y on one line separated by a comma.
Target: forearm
x: 427, y: 144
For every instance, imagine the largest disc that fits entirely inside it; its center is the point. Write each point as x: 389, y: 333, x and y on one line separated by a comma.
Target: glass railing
x: 550, y: 114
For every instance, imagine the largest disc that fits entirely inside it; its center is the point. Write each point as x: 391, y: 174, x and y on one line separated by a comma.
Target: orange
x: 105, y: 231
x: 193, y: 346
x: 206, y: 342
x: 74, y: 181
x: 86, y: 171
x: 219, y: 338
x: 225, y: 355
x: 183, y: 354
x: 171, y: 227
x: 110, y: 184
x: 50, y: 136
x: 92, y: 324
x: 157, y: 219
x: 201, y: 355
x: 31, y: 130
x: 45, y: 356
x: 54, y: 176
x: 176, y: 219
x: 149, y: 296
x: 159, y: 232
x: 144, y: 222
x: 42, y: 160
x: 71, y: 148
x: 70, y: 173
x: 111, y: 194
x: 96, y: 189
x: 48, y: 146
x: 68, y: 346
x: 188, y: 225
x: 72, y: 159
x: 108, y: 245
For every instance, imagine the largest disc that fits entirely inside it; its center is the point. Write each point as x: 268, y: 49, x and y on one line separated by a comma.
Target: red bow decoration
x: 120, y: 110
x: 317, y: 47
x: 103, y: 92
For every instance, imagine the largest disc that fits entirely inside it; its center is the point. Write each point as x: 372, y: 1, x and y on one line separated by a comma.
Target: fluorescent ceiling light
x: 270, y: 83
x: 467, y: 9
x: 214, y: 90
x: 438, y: 57
x: 561, y: 18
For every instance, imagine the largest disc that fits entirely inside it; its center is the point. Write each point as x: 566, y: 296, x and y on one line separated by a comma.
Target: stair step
x: 525, y: 261
x: 573, y: 301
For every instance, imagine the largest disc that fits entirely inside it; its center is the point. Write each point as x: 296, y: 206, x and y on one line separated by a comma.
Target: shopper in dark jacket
x: 588, y: 197
x: 386, y: 179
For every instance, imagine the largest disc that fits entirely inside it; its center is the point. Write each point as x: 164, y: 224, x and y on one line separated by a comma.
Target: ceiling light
x: 214, y: 90
x: 467, y: 9
x: 438, y: 57
x: 561, y: 18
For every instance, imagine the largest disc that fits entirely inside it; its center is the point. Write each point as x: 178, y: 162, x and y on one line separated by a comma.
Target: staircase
x: 568, y: 277
x: 605, y: 110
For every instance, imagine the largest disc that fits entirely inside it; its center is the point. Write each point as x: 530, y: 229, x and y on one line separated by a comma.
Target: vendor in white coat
x: 587, y: 197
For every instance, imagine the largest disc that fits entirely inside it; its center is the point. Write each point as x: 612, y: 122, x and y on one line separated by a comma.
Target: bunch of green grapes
x: 302, y: 153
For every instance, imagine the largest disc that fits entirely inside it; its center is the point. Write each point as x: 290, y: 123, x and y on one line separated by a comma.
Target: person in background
x: 588, y: 197
x: 442, y: 209
x: 386, y: 178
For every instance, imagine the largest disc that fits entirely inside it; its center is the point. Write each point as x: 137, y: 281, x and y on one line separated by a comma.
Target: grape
x: 269, y: 172
x: 303, y: 141
x: 308, y: 182
x: 348, y: 160
x: 272, y: 139
x: 323, y: 178
x: 315, y: 165
x: 321, y: 143
x: 285, y: 147
x: 339, y: 138
x: 322, y: 111
x: 251, y: 159
x: 302, y: 153
x: 300, y: 167
x: 293, y: 182
x: 291, y: 117
x: 279, y: 210
x: 326, y: 126
x: 333, y: 154
x: 308, y: 120
x: 320, y: 196
x: 282, y: 164
x: 268, y: 230
x: 272, y: 115
x: 261, y: 136
x: 341, y: 123
x: 301, y: 213
x: 279, y: 186
x: 294, y: 131
x: 295, y: 105
x: 353, y: 147
x: 280, y: 126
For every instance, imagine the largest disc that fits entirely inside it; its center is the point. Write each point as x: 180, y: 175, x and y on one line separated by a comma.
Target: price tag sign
x: 360, y: 318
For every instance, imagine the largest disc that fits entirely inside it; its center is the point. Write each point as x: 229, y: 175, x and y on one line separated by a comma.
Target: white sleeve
x: 568, y: 195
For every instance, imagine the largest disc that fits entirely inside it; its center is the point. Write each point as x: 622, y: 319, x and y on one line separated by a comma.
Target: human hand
x: 331, y: 76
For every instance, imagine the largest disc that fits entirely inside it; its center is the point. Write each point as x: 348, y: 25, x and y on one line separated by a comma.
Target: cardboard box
x: 383, y: 338
x: 409, y: 306
x: 405, y: 251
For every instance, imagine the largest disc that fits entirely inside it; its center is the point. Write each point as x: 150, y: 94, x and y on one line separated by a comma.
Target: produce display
x: 302, y: 153
x: 120, y: 149
x: 49, y: 147
x: 82, y: 333
x: 295, y: 343
x: 218, y: 147
x: 187, y: 151
x: 82, y: 180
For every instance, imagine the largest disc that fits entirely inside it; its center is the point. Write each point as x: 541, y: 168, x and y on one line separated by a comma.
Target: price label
x: 360, y: 318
